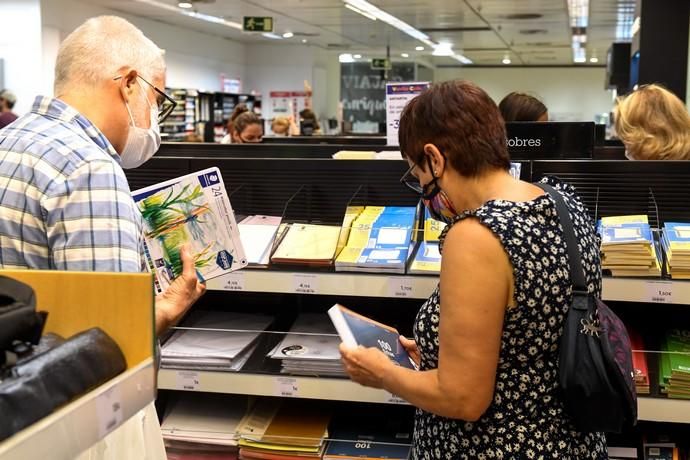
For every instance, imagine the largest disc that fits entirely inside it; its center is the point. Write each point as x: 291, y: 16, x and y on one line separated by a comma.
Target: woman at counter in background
x: 244, y: 127
x: 522, y: 107
x: 653, y: 124
x: 487, y: 340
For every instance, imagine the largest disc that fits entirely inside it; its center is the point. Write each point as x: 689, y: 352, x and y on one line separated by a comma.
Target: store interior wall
x: 20, y: 50
x: 570, y: 93
x: 194, y: 59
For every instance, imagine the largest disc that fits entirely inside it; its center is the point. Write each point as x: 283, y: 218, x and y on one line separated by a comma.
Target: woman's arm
x: 476, y: 276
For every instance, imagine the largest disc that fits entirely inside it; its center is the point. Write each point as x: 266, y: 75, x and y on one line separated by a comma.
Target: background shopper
x: 653, y: 124
x: 7, y: 101
x: 244, y: 127
x: 522, y: 107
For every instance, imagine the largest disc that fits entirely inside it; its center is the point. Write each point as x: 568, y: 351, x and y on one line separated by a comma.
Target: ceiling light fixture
x: 362, y: 12
x: 272, y: 36
x: 371, y: 11
x: 578, y: 12
x: 443, y: 49
x: 288, y: 35
x: 506, y: 60
x: 346, y: 58
x: 405, y: 55
x: 419, y: 48
x: 593, y: 60
x: 304, y: 40
x: 185, y: 5
x: 192, y: 14
x: 358, y: 56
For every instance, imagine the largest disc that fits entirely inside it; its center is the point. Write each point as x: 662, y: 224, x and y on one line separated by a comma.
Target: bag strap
x: 577, y: 273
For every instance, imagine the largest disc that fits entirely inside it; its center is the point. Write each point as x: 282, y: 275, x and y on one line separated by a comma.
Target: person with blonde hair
x: 284, y: 126
x: 653, y: 124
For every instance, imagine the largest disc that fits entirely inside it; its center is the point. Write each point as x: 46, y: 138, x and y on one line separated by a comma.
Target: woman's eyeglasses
x: 410, y: 181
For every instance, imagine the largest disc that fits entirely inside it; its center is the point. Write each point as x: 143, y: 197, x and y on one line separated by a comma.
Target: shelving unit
x: 419, y: 286
x: 182, y: 121
x: 122, y: 306
x: 650, y: 409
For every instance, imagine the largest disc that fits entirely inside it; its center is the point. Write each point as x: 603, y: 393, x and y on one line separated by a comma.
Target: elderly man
x: 65, y: 203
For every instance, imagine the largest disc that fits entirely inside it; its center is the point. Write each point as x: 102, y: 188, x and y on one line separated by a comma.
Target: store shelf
x: 663, y: 410
x: 272, y: 385
x: 79, y: 425
x: 419, y: 287
x: 650, y: 409
x: 345, y: 284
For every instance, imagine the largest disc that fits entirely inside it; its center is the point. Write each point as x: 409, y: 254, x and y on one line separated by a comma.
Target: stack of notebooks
x: 373, y: 437
x: 218, y: 350
x: 258, y: 234
x: 283, y: 430
x: 310, y: 348
x: 308, y: 244
x: 628, y: 247
x: 674, y: 366
x: 640, y: 364
x: 379, y: 240
x: 427, y: 260
x: 203, y: 423
x: 676, y: 242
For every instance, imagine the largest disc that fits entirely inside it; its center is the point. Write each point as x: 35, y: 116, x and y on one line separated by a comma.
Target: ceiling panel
x: 532, y: 32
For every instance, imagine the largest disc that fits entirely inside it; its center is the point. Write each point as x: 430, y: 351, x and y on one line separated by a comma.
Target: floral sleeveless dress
x: 526, y: 419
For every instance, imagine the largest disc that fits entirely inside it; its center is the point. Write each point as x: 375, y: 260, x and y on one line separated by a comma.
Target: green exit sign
x: 258, y: 24
x: 381, y: 64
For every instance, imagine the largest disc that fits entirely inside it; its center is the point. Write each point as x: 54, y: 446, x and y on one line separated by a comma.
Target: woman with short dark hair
x: 523, y: 107
x: 487, y: 340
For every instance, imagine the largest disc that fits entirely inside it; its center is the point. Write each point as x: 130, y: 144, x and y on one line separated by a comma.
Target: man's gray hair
x: 99, y: 48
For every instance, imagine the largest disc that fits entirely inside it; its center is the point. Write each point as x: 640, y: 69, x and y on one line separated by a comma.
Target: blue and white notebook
x: 625, y: 230
x: 355, y: 329
x: 194, y: 210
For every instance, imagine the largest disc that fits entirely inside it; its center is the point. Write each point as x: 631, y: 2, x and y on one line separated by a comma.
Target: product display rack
x: 657, y: 189
x: 182, y: 121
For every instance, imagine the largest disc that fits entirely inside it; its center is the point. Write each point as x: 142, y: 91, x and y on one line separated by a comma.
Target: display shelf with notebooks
x: 122, y: 306
x: 628, y: 246
x: 339, y: 389
x: 427, y: 258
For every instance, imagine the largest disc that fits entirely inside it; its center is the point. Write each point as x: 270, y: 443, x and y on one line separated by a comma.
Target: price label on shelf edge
x: 286, y: 386
x: 303, y: 283
x: 400, y: 287
x: 659, y: 291
x: 187, y: 380
x: 234, y: 282
x: 109, y: 411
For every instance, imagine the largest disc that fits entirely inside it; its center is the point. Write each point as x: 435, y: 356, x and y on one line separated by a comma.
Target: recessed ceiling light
x: 506, y: 60
x: 443, y: 49
x: 185, y: 5
x: 358, y: 56
x: 304, y: 40
x: 405, y: 55
x: 272, y: 36
x: 593, y: 60
x: 346, y: 58
x: 419, y: 48
x: 288, y: 35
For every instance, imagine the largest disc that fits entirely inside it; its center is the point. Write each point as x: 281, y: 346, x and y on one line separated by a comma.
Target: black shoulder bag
x: 595, y: 357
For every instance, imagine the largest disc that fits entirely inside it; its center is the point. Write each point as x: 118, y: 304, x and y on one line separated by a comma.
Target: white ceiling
x: 486, y: 31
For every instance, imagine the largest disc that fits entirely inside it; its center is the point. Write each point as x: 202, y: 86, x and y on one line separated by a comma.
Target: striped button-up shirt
x: 65, y: 203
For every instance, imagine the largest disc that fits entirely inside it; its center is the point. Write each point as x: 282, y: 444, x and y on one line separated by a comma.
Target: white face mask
x: 142, y: 143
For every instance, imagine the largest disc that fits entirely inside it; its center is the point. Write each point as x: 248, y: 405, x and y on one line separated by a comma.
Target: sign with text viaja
x: 397, y: 97
x: 258, y: 24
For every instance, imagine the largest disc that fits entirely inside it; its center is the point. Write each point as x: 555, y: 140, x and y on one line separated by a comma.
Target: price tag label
x: 188, y: 381
x: 109, y: 411
x: 286, y: 386
x: 400, y: 287
x: 393, y: 399
x: 660, y: 291
x: 305, y: 284
x: 234, y: 282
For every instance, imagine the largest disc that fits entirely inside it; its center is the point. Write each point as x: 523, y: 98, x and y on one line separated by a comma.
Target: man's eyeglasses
x: 165, y: 103
x: 410, y: 181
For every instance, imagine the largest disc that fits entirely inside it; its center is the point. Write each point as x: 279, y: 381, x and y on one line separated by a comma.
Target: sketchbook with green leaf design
x: 193, y: 210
